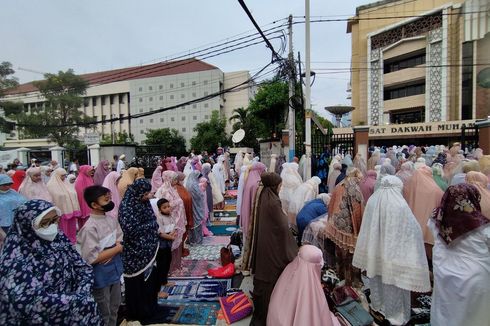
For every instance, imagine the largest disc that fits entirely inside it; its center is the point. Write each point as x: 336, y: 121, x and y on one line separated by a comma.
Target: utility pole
x: 291, y: 111
x: 307, y: 91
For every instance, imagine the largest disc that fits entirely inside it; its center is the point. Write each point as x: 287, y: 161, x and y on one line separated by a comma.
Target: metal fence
x: 469, y: 138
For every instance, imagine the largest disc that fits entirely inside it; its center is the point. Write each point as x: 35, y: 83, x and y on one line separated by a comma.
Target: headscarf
x: 241, y: 184
x: 360, y: 164
x: 290, y: 181
x: 43, y: 282
x: 367, y: 184
x: 181, y: 163
x: 420, y: 163
x: 101, y: 172
x: 186, y: 198
x: 127, y: 179
x: 206, y: 171
x: 18, y: 178
x: 438, y: 175
x: 156, y: 179
x: 423, y: 195
x: 386, y: 169
x: 345, y: 211
x: 249, y: 190
x: 332, y: 177
x: 140, y: 229
x: 219, y: 173
x: 459, y: 212
x: 168, y: 192
x: 480, y: 181
x: 45, y: 177
x: 196, y: 164
x: 347, y: 160
x: 390, y: 242
x: 110, y: 182
x: 238, y: 161
x: 406, y: 172
x: 34, y: 190
x: 83, y: 181
x: 273, y: 245
x: 9, y: 201
x: 484, y: 162
x: 300, y: 282
x: 304, y: 193
x: 64, y: 195
x: 197, y: 195
x: 441, y: 158
x: 373, y: 160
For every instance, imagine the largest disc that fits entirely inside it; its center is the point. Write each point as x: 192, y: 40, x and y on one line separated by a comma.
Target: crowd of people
x: 409, y: 219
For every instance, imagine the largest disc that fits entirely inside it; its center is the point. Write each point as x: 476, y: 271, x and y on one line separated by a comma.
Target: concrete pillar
x: 361, y: 141
x: 57, y: 154
x: 94, y: 154
x: 23, y: 156
x: 484, y: 135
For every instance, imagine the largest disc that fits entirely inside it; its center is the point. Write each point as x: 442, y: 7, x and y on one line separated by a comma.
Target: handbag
x: 354, y: 314
x: 226, y: 256
x: 235, y: 307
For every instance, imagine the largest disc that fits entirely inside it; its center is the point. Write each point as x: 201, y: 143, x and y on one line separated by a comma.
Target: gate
x: 469, y: 138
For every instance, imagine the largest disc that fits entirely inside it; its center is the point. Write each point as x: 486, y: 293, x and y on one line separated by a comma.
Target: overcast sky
x: 94, y: 35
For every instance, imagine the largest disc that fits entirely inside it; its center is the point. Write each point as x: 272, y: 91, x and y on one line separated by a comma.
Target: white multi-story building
x: 132, y: 94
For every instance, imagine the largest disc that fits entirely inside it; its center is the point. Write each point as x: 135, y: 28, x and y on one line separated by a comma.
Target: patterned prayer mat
x: 216, y: 240
x: 194, y: 313
x: 196, y: 289
x: 195, y: 268
x: 223, y: 229
x: 204, y: 252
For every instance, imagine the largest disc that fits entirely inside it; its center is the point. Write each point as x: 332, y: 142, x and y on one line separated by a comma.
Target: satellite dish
x: 238, y: 136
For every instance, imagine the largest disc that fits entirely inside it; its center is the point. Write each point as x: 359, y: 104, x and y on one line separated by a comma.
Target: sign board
x: 7, y: 157
x: 417, y: 129
x: 91, y: 139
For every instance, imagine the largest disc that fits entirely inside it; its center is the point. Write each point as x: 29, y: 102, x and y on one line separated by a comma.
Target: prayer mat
x: 216, y: 240
x: 196, y: 289
x: 223, y: 229
x: 219, y: 215
x: 194, y: 313
x: 195, y: 268
x: 231, y: 194
x: 204, y: 252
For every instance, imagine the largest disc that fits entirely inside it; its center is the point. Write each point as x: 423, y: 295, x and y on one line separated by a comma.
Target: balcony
x: 403, y: 76
x: 404, y: 103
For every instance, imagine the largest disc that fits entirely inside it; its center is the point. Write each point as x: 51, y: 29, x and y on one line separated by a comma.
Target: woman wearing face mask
x: 65, y: 198
x: 33, y: 186
x: 9, y: 200
x: 84, y: 180
x: 43, y: 280
x: 140, y: 238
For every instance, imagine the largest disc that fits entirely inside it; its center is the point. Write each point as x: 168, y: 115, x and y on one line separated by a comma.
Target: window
x: 86, y: 102
x: 151, y: 120
x: 183, y: 118
x: 150, y: 88
x: 161, y: 97
x: 206, y: 105
x: 141, y: 110
x: 141, y: 121
x: 141, y: 89
x: 171, y: 85
x: 151, y: 109
x: 151, y: 99
x: 121, y: 116
x: 408, y: 116
x: 467, y: 82
x: 112, y: 99
x: 161, y: 119
x: 171, y: 97
x: 194, y: 106
x: 141, y: 99
x: 182, y: 95
x: 194, y: 83
x: 160, y: 87
x: 206, y: 117
x: 172, y: 119
x: 142, y: 131
x: 121, y: 98
x: 194, y: 117
x: 206, y: 93
x: 94, y: 101
x: 103, y: 119
x: 194, y: 94
x: 183, y: 129
x: 182, y: 84
x: 205, y: 82
x: 408, y: 62
x: 417, y: 89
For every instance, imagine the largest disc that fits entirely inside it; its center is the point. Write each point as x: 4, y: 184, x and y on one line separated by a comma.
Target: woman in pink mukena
x: 84, y: 180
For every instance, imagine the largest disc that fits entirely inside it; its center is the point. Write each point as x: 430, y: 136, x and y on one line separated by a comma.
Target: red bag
x: 226, y: 271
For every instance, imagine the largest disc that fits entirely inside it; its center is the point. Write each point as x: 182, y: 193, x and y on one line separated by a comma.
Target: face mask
x: 108, y: 207
x: 48, y: 233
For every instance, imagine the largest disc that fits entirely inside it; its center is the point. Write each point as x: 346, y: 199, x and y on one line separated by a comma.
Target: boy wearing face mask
x: 100, y: 239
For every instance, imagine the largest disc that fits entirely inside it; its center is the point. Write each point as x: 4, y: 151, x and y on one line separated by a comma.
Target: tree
x: 9, y: 108
x: 210, y: 134
x: 60, y: 117
x: 120, y: 138
x: 269, y: 108
x: 170, y: 141
x: 325, y: 123
x: 6, y: 81
x: 246, y: 121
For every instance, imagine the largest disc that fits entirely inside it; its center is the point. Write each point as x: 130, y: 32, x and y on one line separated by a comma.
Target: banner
x: 419, y: 129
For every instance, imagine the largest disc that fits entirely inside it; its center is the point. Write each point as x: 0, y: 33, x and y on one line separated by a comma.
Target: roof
x: 153, y: 70
x: 373, y: 5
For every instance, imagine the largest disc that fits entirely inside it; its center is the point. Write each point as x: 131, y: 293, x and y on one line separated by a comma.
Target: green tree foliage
x: 246, y: 121
x: 59, y: 118
x: 120, y: 138
x: 325, y: 123
x: 6, y: 80
x: 269, y: 108
x: 9, y: 108
x: 170, y: 141
x: 210, y: 134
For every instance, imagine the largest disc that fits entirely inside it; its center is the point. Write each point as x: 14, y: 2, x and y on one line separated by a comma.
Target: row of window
x: 172, y: 96
x: 172, y: 119
x: 171, y: 85
x: 412, y: 61
x: 417, y: 89
x: 194, y: 106
x: 112, y: 100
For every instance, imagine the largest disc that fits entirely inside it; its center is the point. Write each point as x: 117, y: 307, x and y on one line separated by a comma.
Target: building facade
x: 132, y: 95
x: 418, y: 61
